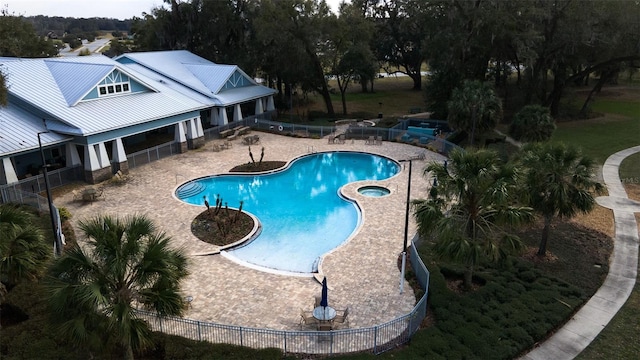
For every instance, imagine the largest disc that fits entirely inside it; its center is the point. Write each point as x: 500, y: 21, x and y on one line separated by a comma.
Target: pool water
x: 300, y: 209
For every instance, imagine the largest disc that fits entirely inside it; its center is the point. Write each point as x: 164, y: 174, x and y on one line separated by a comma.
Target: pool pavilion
x: 88, y: 111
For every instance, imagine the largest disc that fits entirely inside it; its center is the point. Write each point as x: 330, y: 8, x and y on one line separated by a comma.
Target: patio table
x: 324, y: 313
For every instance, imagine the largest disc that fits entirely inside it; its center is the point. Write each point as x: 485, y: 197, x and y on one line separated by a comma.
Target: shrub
x: 532, y: 123
x: 65, y: 214
x: 519, y: 336
x: 528, y: 276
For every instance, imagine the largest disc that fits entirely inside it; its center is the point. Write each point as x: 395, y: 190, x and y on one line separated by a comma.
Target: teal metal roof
x: 213, y: 77
x: 72, y: 87
x: 55, y: 87
x: 194, y: 72
x: 19, y: 131
x: 200, y: 79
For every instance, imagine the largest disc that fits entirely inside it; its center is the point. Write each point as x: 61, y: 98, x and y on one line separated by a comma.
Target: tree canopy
x: 532, y: 123
x: 19, y: 39
x: 545, y: 46
x: 474, y: 108
x: 559, y: 182
x: 93, y: 289
x: 549, y: 45
x: 23, y: 251
x: 470, y: 208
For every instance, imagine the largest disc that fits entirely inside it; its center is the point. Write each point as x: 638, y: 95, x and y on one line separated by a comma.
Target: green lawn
x: 618, y: 129
x: 393, y: 97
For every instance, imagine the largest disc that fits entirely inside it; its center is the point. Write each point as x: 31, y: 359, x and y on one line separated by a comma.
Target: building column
x: 71, y: 155
x: 103, y: 157
x: 119, y: 156
x: 259, y: 107
x: 7, y: 172
x: 180, y: 137
x: 270, y: 105
x: 237, y: 113
x: 94, y: 169
x: 215, y: 117
x: 224, y: 119
x: 195, y: 134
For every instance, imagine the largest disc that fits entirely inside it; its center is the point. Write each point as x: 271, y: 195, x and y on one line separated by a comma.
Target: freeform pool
x: 300, y: 208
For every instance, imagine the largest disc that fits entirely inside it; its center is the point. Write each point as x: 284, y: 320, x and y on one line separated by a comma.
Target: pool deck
x: 362, y: 274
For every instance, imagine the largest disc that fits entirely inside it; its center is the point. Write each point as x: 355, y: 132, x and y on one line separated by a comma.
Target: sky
x: 117, y: 9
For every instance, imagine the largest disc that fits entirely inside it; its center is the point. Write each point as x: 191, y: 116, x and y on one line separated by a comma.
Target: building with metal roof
x: 89, y: 110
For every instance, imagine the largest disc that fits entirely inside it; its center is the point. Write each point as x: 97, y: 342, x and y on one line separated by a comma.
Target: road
x: 93, y: 47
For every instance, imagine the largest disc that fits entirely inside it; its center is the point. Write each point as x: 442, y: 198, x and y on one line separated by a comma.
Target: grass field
x: 391, y: 96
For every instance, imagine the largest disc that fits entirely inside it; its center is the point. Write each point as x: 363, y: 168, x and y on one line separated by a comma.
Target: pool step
x: 189, y: 189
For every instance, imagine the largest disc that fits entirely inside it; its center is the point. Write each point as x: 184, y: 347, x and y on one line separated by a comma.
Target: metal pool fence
x: 152, y: 154
x: 35, y: 184
x: 375, y: 339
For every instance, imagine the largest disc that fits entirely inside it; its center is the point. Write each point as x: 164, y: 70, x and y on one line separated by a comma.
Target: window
x: 113, y: 89
x: 114, y: 84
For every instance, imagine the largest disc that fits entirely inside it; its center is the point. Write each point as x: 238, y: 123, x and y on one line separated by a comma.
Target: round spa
x: 374, y: 191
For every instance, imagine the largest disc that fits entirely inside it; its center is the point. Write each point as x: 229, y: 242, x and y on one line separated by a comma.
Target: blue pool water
x: 300, y: 209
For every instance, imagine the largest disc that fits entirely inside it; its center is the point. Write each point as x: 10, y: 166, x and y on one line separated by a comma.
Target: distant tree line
x: 59, y: 26
x: 545, y: 45
x: 542, y: 47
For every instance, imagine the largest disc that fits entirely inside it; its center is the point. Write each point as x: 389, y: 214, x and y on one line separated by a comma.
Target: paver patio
x: 362, y: 273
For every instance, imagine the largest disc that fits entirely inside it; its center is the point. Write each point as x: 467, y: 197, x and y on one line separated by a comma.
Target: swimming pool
x: 300, y: 208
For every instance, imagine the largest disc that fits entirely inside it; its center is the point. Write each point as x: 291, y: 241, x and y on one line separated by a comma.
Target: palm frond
x: 126, y: 260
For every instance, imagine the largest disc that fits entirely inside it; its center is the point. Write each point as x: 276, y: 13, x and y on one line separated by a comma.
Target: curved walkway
x: 587, y: 323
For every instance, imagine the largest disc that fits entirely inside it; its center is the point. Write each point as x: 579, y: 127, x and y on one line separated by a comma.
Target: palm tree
x: 474, y: 107
x: 533, y: 123
x: 559, y: 183
x: 23, y: 250
x: 93, y: 288
x: 470, y: 209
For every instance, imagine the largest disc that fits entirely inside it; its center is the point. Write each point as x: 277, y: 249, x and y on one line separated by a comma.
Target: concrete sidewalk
x: 587, y: 323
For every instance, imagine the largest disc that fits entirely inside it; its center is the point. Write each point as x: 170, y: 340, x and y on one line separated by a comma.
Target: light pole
x: 473, y: 122
x: 406, y: 229
x: 290, y: 102
x: 57, y: 246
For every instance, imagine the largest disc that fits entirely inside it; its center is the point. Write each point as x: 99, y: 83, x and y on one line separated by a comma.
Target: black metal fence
x: 24, y: 190
x: 375, y: 339
x: 13, y: 194
x: 60, y: 177
x: 152, y: 154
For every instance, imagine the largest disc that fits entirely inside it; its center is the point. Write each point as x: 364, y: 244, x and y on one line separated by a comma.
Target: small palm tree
x: 23, y: 250
x: 472, y: 206
x: 93, y: 288
x: 559, y: 183
x: 533, y: 123
x: 474, y: 107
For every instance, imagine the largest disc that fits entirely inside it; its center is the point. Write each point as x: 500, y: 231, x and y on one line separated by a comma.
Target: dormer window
x: 114, y: 84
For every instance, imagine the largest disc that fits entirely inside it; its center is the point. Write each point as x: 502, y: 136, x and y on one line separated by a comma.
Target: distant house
x: 90, y: 110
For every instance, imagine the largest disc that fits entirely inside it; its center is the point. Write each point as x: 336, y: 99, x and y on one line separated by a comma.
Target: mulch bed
x: 205, y: 226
